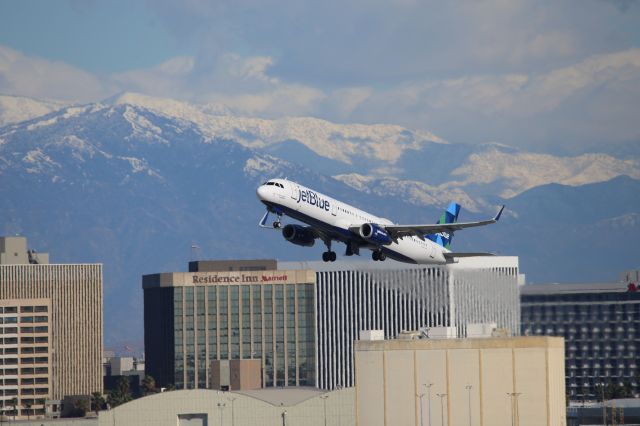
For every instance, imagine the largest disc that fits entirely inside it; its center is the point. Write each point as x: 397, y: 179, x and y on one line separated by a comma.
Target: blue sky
x: 541, y: 75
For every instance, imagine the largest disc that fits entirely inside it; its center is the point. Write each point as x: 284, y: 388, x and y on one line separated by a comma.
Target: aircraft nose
x: 261, y: 192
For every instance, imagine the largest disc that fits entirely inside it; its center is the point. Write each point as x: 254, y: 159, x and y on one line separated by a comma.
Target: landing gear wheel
x: 277, y: 224
x: 378, y: 255
x: 329, y: 256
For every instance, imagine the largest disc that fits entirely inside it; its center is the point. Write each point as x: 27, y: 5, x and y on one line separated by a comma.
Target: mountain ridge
x: 134, y: 189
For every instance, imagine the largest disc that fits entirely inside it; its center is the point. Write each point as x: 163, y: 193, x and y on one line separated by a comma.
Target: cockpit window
x: 279, y: 185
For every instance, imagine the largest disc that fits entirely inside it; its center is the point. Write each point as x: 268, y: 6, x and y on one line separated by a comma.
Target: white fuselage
x: 334, y: 218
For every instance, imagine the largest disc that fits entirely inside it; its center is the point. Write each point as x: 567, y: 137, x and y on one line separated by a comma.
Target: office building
x: 65, y: 341
x: 392, y: 296
x: 600, y: 325
x: 194, y: 318
x: 483, y: 381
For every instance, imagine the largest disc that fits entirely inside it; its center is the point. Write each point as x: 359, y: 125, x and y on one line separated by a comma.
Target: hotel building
x: 227, y: 312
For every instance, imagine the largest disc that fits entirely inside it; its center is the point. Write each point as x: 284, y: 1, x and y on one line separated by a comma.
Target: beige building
x: 25, y: 354
x: 236, y: 374
x: 72, y: 294
x: 265, y: 407
x: 479, y: 382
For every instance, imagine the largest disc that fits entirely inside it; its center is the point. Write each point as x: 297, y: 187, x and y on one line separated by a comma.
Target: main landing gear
x: 378, y: 255
x: 329, y: 256
x: 276, y: 225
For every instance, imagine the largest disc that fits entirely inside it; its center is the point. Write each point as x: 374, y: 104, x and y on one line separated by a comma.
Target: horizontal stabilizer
x: 452, y: 255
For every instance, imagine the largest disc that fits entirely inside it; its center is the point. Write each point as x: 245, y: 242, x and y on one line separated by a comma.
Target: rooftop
x: 556, y: 288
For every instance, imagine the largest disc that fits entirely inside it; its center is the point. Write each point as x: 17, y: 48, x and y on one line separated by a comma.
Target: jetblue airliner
x: 330, y: 220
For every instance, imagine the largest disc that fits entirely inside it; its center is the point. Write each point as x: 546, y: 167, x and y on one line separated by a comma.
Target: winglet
x: 497, y: 218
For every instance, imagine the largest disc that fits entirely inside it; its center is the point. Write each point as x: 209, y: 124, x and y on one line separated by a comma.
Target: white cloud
x: 284, y: 100
x: 241, y: 84
x: 592, y: 100
x: 169, y: 78
x: 36, y: 77
x: 250, y: 68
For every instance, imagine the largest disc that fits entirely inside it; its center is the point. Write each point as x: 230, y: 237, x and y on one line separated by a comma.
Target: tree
x: 27, y: 405
x: 148, y: 385
x: 612, y: 391
x: 97, y: 402
x: 14, y: 403
x: 121, y: 393
x: 80, y: 407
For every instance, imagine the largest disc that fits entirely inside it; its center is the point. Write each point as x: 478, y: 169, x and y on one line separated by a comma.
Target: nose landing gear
x: 276, y: 224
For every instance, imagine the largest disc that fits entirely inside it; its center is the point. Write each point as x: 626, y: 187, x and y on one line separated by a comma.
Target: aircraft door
x: 295, y: 191
x: 334, y: 208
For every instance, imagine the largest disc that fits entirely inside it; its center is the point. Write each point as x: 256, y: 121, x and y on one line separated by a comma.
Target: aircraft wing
x: 399, y: 231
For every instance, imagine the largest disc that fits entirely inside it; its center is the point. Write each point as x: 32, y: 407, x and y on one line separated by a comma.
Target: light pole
x: 468, y: 388
x: 441, y: 396
x: 428, y: 386
x: 221, y: 407
x: 324, y: 400
x: 515, y: 416
x: 233, y: 417
x: 604, y: 408
x: 420, y: 395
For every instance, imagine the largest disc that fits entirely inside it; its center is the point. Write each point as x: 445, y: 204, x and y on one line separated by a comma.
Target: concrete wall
x: 13, y: 251
x: 164, y: 409
x: 490, y: 382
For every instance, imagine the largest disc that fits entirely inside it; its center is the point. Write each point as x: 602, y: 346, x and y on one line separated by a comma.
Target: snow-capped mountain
x: 133, y: 182
x: 418, y: 166
x: 338, y: 142
x: 14, y: 109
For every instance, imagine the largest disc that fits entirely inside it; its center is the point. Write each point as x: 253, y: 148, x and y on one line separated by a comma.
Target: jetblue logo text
x: 312, y: 198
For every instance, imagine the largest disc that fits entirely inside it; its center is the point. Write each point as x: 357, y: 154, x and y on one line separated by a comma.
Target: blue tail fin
x: 449, y: 216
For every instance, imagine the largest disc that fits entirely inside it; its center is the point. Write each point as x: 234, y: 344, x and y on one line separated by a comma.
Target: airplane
x: 329, y: 220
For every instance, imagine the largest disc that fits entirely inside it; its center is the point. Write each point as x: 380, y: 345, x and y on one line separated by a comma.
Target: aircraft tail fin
x: 450, y: 215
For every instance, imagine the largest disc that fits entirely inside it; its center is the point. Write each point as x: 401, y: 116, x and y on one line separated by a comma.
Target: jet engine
x: 299, y: 235
x: 374, y: 234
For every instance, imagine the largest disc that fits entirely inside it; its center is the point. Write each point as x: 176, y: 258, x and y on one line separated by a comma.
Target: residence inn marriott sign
x: 194, y: 318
